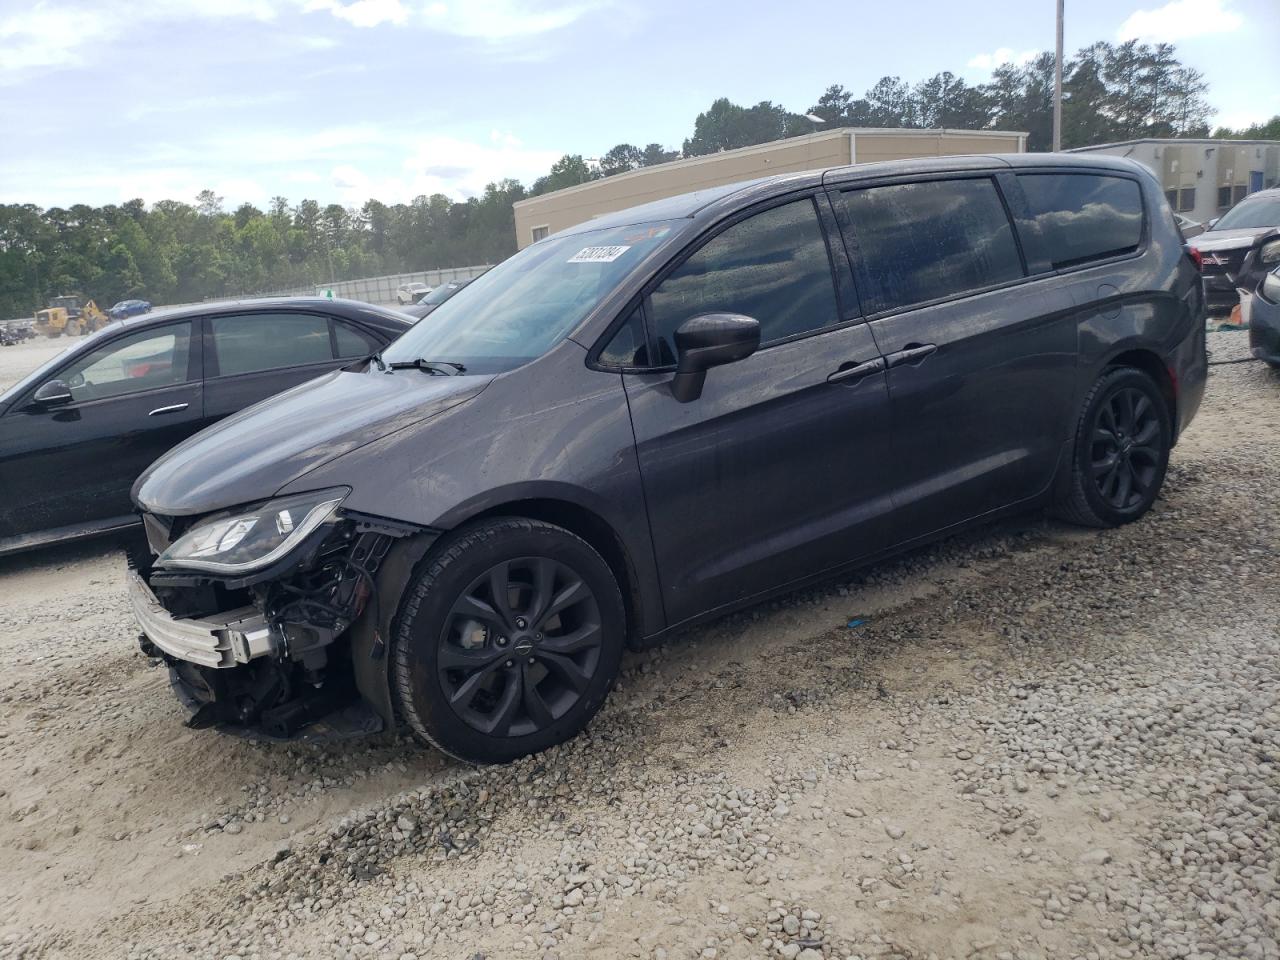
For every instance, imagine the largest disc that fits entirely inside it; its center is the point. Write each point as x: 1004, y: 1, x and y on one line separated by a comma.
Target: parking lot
x: 1037, y: 741
x: 18, y: 360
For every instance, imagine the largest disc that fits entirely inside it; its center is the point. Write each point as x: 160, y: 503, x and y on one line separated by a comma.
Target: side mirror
x: 710, y: 340
x: 52, y: 393
x: 1209, y: 225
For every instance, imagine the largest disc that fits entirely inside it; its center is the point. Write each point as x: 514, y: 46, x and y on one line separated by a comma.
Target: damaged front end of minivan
x: 252, y: 610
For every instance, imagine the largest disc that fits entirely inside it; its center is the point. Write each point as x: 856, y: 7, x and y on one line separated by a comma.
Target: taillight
x: 1196, y: 257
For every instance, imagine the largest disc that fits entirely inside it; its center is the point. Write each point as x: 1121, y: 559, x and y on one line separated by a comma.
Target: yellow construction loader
x: 70, y: 315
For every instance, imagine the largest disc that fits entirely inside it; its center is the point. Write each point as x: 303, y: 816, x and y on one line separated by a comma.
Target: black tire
x: 487, y: 684
x: 1118, y: 465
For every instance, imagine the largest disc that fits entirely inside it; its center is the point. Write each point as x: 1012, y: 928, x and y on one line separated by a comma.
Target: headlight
x: 255, y: 538
x: 1271, y: 286
x: 1270, y: 252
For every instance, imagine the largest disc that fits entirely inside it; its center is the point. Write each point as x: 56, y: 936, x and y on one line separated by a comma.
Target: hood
x: 252, y: 454
x: 1228, y: 239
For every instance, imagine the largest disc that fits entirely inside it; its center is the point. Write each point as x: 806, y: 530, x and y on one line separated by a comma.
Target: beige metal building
x: 540, y: 216
x: 1202, y: 179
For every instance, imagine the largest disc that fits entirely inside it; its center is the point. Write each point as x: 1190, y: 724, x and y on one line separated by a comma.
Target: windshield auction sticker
x: 598, y: 254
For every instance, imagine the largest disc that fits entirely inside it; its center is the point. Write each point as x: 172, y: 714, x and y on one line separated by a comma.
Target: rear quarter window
x: 1081, y: 217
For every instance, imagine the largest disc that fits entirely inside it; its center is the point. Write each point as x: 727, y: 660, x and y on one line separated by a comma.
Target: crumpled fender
x: 370, y: 642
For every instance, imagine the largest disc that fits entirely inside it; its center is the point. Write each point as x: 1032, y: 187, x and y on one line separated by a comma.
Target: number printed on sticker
x: 598, y: 254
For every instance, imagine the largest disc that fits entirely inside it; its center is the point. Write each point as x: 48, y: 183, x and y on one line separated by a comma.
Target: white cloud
x: 989, y: 61
x: 66, y: 33
x: 506, y: 138
x: 1180, y: 20
x: 505, y: 19
x: 437, y: 164
x: 57, y: 34
x: 347, y: 164
x: 363, y: 13
x: 211, y: 105
x: 49, y: 37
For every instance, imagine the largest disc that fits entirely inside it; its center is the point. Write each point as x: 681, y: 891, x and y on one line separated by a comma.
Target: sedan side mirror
x: 52, y: 393
x: 710, y: 340
x: 1209, y: 225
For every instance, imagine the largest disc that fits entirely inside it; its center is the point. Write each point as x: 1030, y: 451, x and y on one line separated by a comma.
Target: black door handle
x: 852, y: 372
x: 912, y: 353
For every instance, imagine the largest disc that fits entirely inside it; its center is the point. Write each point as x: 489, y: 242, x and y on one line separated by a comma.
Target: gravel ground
x: 1041, y: 743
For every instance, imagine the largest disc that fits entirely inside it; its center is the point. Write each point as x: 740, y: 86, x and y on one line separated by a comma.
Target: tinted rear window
x: 1081, y: 217
x: 248, y: 343
x: 925, y: 241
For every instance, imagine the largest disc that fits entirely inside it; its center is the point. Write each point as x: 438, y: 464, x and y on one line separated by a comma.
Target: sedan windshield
x: 1256, y: 212
x: 526, y: 305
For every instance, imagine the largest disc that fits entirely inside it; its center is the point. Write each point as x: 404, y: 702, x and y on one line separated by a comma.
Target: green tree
x: 570, y: 170
x: 620, y: 159
x: 726, y: 125
x: 655, y: 153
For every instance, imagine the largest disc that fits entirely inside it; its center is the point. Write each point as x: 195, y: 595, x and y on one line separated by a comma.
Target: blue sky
x: 342, y: 100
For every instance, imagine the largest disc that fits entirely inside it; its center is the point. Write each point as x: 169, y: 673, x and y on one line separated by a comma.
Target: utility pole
x: 1057, y: 87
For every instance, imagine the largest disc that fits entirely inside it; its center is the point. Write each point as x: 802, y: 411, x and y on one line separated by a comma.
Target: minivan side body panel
x: 552, y: 430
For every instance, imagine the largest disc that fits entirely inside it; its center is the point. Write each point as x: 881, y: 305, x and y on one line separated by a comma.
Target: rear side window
x: 250, y: 342
x: 925, y: 241
x: 772, y: 267
x: 1081, y: 217
x: 352, y: 343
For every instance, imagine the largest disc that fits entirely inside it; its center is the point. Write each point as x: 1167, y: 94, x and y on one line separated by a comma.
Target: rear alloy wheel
x: 1121, y: 451
x: 509, y: 641
x: 1125, y: 454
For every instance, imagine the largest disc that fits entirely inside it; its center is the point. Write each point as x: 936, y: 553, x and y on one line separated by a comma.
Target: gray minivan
x: 664, y: 414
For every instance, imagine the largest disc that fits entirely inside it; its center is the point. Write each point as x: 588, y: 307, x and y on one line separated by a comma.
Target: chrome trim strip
x: 172, y: 408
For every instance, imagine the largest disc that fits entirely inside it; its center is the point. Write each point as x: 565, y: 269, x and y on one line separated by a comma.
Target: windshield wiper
x: 442, y: 368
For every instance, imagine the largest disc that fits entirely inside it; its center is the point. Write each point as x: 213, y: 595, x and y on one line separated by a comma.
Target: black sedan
x: 78, y: 431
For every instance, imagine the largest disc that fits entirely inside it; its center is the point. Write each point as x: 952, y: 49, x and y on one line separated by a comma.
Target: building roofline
x: 1171, y: 140
x: 771, y: 145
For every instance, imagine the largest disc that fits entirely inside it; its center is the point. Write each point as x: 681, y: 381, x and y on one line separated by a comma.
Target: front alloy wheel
x: 508, y: 641
x: 520, y: 647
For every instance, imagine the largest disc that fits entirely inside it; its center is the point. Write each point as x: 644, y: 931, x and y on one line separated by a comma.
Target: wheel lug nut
x: 510, y: 663
x: 502, y: 641
x: 531, y: 660
x: 521, y: 623
x: 537, y: 636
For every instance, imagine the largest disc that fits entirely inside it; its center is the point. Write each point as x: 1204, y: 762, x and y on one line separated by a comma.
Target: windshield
x: 1253, y: 212
x: 526, y: 305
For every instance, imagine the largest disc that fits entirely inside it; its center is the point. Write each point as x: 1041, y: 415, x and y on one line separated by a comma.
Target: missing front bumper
x: 220, y: 641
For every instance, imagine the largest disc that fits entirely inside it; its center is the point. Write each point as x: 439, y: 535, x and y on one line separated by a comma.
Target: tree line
x: 176, y: 252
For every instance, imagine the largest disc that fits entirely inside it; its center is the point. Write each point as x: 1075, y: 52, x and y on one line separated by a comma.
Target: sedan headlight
x: 1270, y: 252
x: 252, y: 539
